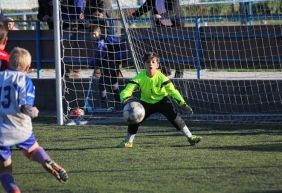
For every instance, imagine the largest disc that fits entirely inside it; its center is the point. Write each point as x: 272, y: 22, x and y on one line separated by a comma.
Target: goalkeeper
x: 156, y: 93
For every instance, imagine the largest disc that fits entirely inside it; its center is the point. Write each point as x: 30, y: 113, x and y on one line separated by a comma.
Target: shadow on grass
x: 210, y: 130
x: 274, y: 147
x: 84, y: 139
x: 74, y: 148
x: 151, y: 169
x: 51, y: 190
x: 197, y: 125
x: 79, y: 148
x: 267, y: 191
x: 175, y: 133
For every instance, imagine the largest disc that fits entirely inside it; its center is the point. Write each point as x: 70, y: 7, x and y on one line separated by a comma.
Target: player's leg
x: 6, y: 177
x: 132, y: 129
x: 166, y: 108
x: 176, y: 13
x: 110, y: 83
x: 115, y: 89
x: 35, y: 152
x: 129, y: 138
x: 102, y: 90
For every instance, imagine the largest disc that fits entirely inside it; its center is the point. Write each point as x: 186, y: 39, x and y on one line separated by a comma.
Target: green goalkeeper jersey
x: 153, y: 89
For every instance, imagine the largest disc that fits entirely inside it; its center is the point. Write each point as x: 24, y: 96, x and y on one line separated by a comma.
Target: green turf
x: 230, y: 159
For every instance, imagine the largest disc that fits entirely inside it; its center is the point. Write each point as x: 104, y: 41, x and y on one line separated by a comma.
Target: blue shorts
x: 6, y: 151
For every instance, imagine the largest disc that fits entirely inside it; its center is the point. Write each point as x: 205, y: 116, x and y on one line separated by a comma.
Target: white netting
x: 225, y: 58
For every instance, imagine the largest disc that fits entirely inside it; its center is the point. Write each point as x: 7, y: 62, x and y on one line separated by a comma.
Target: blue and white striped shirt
x: 16, y: 89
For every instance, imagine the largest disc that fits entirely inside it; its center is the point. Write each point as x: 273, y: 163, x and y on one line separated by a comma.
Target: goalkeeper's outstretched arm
x: 126, y: 93
x: 175, y: 94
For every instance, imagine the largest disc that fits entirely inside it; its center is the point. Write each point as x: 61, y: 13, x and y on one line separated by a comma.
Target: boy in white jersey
x: 156, y: 94
x: 17, y: 94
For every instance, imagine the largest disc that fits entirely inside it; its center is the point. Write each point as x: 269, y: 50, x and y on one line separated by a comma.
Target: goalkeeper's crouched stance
x: 156, y: 94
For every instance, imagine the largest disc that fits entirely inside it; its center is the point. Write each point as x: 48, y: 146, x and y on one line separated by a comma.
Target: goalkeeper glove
x: 187, y: 108
x: 129, y: 99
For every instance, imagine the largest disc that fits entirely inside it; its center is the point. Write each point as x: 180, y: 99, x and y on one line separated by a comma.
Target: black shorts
x: 164, y: 106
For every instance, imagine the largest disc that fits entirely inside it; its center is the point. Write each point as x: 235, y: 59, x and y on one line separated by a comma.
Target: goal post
x: 225, y: 57
x: 57, y: 49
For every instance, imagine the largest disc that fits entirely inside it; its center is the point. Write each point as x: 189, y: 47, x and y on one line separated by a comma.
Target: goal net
x: 224, y: 56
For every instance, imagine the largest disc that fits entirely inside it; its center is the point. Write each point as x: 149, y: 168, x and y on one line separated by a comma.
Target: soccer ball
x: 133, y: 112
x: 76, y: 113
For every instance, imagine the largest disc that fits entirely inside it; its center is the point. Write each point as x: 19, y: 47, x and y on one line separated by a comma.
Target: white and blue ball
x: 133, y: 112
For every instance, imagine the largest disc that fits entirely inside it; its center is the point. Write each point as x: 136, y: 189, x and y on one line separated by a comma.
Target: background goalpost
x: 224, y: 57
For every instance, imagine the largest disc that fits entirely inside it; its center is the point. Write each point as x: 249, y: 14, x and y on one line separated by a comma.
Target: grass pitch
x: 230, y: 159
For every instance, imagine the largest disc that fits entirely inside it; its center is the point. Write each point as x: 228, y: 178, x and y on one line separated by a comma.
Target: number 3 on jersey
x: 6, y: 98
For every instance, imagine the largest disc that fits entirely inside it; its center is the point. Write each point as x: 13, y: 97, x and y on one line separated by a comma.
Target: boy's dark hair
x: 3, y: 30
x: 95, y: 27
x: 149, y: 55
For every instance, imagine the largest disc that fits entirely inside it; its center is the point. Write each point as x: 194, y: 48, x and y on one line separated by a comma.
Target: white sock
x: 130, y: 137
x: 186, y: 132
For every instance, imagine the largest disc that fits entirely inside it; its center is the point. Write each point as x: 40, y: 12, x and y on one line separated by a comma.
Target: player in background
x: 11, y: 24
x: 45, y: 12
x: 94, y: 10
x: 166, y: 13
x: 156, y: 93
x: 4, y: 56
x: 109, y: 55
x: 17, y: 94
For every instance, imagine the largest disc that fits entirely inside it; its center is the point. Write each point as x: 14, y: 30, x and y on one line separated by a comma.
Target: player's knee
x: 179, y: 122
x: 132, y: 129
x: 103, y: 93
x: 115, y: 86
x: 5, y: 165
x: 116, y: 89
x: 35, y: 147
